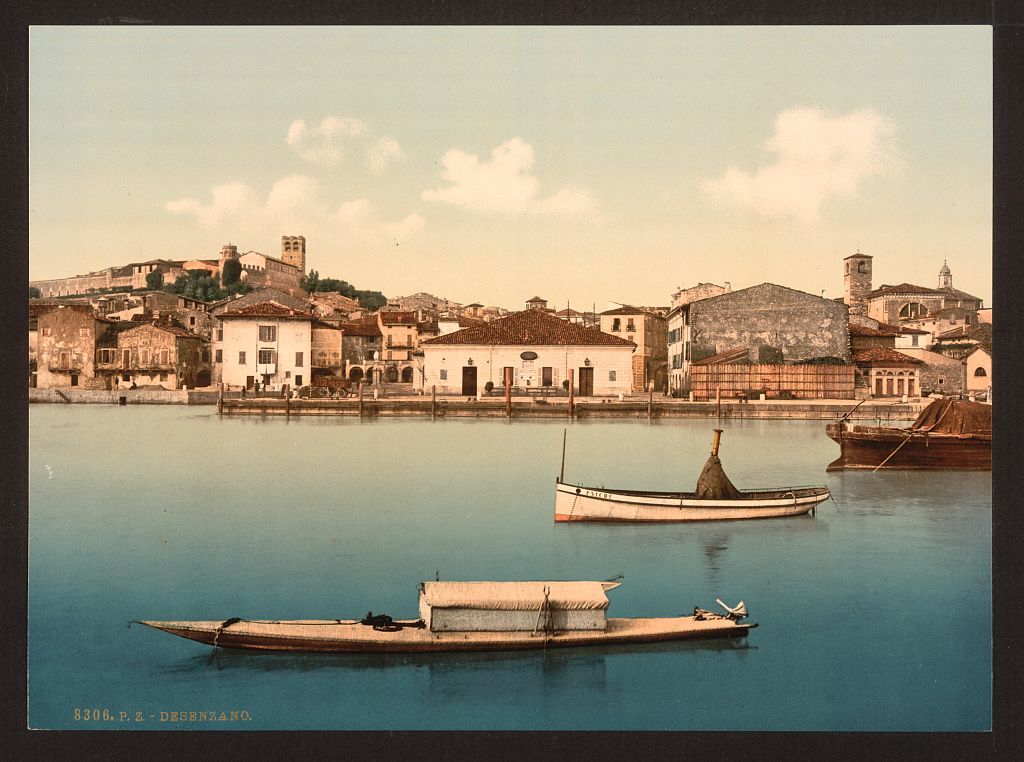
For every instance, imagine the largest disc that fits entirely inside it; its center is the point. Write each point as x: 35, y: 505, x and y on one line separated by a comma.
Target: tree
x: 34, y: 293
x: 311, y: 282
x: 155, y: 280
x: 231, y: 272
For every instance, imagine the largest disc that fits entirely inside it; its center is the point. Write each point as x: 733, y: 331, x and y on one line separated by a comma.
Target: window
x: 629, y: 325
x: 287, y: 374
x: 389, y: 354
x: 241, y: 358
x: 83, y: 332
x: 408, y: 340
x: 629, y: 337
x: 268, y: 333
x: 509, y: 373
x: 913, y: 340
x: 74, y: 379
x: 144, y: 357
x: 192, y: 320
x: 611, y: 375
x: 219, y: 356
x: 980, y: 372
x: 546, y: 377
x: 46, y: 332
x: 220, y: 333
x: 913, y: 310
x: 265, y: 357
x: 298, y: 380
x: 444, y: 374
x: 298, y: 359
x: 616, y: 324
x: 164, y: 357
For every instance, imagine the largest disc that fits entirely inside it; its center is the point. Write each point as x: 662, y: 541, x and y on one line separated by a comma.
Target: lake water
x: 874, y: 614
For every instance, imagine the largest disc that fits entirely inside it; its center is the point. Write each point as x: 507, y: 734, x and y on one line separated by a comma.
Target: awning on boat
x: 950, y: 416
x: 515, y: 596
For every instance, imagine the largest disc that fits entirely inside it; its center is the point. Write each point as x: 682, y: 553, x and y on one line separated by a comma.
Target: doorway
x: 586, y: 382
x: 469, y: 381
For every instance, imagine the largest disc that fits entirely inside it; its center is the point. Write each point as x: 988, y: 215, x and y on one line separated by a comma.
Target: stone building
x: 857, y: 282
x: 325, y: 350
x: 939, y: 374
x: 293, y: 251
x: 537, y: 348
x: 269, y: 272
x: 65, y: 347
x: 909, y: 302
x: 774, y: 323
x: 155, y: 354
x: 700, y: 291
x: 978, y: 369
x: 649, y: 332
x: 884, y: 372
x: 100, y: 280
x: 361, y: 349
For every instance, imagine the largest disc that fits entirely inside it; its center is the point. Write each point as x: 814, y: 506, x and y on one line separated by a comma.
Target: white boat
x: 715, y: 499
x: 471, y: 616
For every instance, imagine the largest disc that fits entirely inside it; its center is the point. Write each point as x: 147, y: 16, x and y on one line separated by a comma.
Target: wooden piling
x: 508, y: 393
x: 360, y: 398
x: 433, y: 402
x: 718, y: 401
x: 287, y: 402
x: 220, y: 399
x: 571, y: 397
x: 650, y: 403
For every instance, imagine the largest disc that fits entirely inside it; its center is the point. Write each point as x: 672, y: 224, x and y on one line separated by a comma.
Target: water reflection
x: 550, y: 661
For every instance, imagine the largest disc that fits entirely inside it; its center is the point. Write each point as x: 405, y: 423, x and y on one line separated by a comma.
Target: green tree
x: 155, y: 280
x: 231, y: 272
x: 311, y: 282
x: 34, y: 293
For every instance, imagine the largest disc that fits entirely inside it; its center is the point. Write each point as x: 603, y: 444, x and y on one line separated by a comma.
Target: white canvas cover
x: 515, y: 596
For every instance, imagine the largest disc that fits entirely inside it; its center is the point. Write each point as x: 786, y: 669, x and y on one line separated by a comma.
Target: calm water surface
x: 875, y: 614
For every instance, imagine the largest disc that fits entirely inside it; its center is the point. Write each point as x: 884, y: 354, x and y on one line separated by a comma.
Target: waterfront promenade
x: 518, y: 407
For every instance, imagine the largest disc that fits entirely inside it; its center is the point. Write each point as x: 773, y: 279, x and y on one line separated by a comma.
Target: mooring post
x: 433, y: 402
x: 220, y: 399
x: 287, y: 401
x: 718, y: 401
x: 360, y: 398
x: 508, y: 393
x: 570, y: 391
x: 650, y: 403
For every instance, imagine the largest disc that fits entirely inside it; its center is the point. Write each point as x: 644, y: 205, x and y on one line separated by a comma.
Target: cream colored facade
x: 284, y: 346
x: 979, y: 370
x: 612, y: 366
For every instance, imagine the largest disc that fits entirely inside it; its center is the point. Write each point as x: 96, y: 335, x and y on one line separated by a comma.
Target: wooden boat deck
x: 349, y: 636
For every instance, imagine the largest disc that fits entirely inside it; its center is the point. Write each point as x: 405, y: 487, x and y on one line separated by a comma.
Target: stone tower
x: 293, y: 251
x: 857, y: 282
x: 945, y: 276
x: 228, y: 251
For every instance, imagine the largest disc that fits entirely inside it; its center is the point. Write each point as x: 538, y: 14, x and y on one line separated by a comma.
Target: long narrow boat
x: 949, y: 434
x: 470, y: 616
x: 715, y: 499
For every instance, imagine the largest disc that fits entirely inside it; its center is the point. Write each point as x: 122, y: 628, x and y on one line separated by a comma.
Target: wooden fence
x: 774, y: 381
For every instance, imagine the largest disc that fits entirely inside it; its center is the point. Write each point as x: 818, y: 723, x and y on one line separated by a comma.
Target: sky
x: 586, y: 165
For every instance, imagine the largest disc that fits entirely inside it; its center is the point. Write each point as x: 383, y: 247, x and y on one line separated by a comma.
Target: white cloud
x: 292, y: 202
x: 323, y: 144
x: 384, y: 153
x: 505, y: 184
x: 817, y: 157
x: 359, y: 220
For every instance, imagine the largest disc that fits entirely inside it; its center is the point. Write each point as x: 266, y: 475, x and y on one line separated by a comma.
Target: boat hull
x: 579, y: 503
x: 349, y: 636
x: 878, y: 447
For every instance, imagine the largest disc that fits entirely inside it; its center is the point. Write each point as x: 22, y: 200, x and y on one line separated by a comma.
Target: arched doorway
x: 391, y: 374
x: 407, y: 375
x: 356, y: 374
x: 203, y: 378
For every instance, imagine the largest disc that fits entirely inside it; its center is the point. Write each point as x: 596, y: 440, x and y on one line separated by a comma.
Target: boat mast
x: 561, y: 476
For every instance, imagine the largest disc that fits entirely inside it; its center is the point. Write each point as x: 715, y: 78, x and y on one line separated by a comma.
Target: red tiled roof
x: 883, y: 356
x: 568, y: 312
x: 902, y: 288
x: 266, y: 309
x: 364, y: 327
x: 402, y: 317
x: 907, y: 331
x: 531, y: 328
x: 739, y: 354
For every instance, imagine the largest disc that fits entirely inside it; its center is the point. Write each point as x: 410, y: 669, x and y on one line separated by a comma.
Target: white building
x: 539, y: 348
x: 267, y: 342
